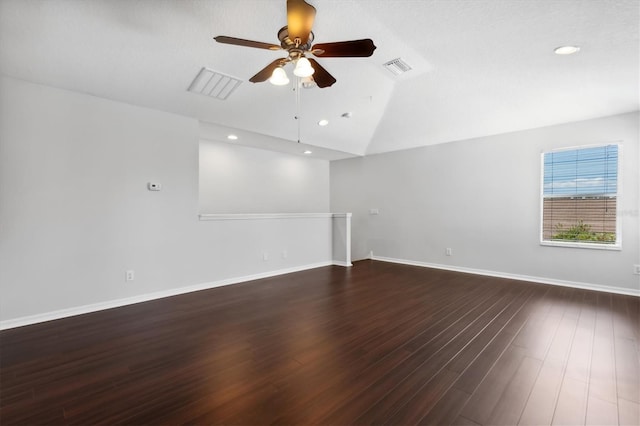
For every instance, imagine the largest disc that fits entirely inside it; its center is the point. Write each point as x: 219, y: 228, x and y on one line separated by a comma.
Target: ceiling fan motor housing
x: 295, y: 50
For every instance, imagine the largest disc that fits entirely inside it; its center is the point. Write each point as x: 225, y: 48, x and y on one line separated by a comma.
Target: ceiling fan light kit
x: 303, y: 68
x: 279, y: 77
x: 296, y: 39
x: 308, y: 83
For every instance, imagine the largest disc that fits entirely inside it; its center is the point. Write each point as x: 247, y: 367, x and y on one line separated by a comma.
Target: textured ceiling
x: 480, y: 67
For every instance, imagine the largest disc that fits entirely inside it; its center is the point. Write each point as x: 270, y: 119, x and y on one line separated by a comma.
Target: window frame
x: 574, y: 244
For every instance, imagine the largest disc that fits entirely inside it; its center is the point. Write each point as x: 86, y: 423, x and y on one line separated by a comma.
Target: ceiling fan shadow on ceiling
x: 296, y: 38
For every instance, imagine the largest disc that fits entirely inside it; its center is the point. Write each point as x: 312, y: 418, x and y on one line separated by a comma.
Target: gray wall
x: 75, y: 212
x: 480, y: 197
x: 239, y: 179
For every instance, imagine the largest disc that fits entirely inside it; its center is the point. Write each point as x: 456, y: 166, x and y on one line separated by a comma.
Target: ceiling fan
x: 296, y: 38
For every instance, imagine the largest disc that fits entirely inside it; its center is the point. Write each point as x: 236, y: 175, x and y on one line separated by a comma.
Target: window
x: 579, y: 197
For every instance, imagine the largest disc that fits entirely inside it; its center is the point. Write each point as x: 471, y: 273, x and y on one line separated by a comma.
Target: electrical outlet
x: 636, y: 269
x: 284, y: 254
x: 449, y: 252
x: 130, y: 275
x: 265, y: 256
x: 374, y: 211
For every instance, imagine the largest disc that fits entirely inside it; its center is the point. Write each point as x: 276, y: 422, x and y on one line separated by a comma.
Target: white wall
x: 240, y: 179
x: 481, y: 198
x: 75, y: 213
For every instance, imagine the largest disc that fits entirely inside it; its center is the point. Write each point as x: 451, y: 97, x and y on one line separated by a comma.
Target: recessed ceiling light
x: 323, y: 122
x: 232, y: 137
x: 566, y: 50
x: 308, y: 152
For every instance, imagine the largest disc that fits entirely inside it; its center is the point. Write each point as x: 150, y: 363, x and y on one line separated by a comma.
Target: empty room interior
x: 320, y: 212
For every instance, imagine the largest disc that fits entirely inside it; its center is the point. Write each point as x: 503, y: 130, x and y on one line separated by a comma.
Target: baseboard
x: 63, y: 313
x: 79, y: 310
x: 541, y: 280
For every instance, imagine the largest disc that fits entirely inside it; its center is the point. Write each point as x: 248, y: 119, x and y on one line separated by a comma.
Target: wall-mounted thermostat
x: 154, y: 186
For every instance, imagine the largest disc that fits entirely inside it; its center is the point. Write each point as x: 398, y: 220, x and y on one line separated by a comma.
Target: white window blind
x: 579, y: 196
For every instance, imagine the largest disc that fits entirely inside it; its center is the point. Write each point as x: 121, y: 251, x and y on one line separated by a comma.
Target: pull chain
x: 297, y: 116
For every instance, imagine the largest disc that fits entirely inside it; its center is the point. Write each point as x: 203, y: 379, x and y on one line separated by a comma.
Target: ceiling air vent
x: 214, y: 84
x: 397, y: 66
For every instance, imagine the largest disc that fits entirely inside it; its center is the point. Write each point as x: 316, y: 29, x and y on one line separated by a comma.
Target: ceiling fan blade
x: 341, y: 49
x: 265, y: 73
x: 246, y: 43
x: 300, y: 16
x: 321, y: 76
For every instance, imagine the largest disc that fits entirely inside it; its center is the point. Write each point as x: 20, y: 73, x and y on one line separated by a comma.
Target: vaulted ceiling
x: 479, y: 67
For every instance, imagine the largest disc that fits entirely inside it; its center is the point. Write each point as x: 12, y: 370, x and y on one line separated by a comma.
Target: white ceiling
x: 480, y: 67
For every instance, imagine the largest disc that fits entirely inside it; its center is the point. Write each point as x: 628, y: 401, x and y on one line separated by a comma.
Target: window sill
x: 592, y: 246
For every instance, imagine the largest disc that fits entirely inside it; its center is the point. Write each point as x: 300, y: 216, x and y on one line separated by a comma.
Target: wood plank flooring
x: 377, y: 343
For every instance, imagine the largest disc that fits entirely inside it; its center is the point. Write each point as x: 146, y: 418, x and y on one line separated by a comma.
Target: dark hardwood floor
x: 378, y: 343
